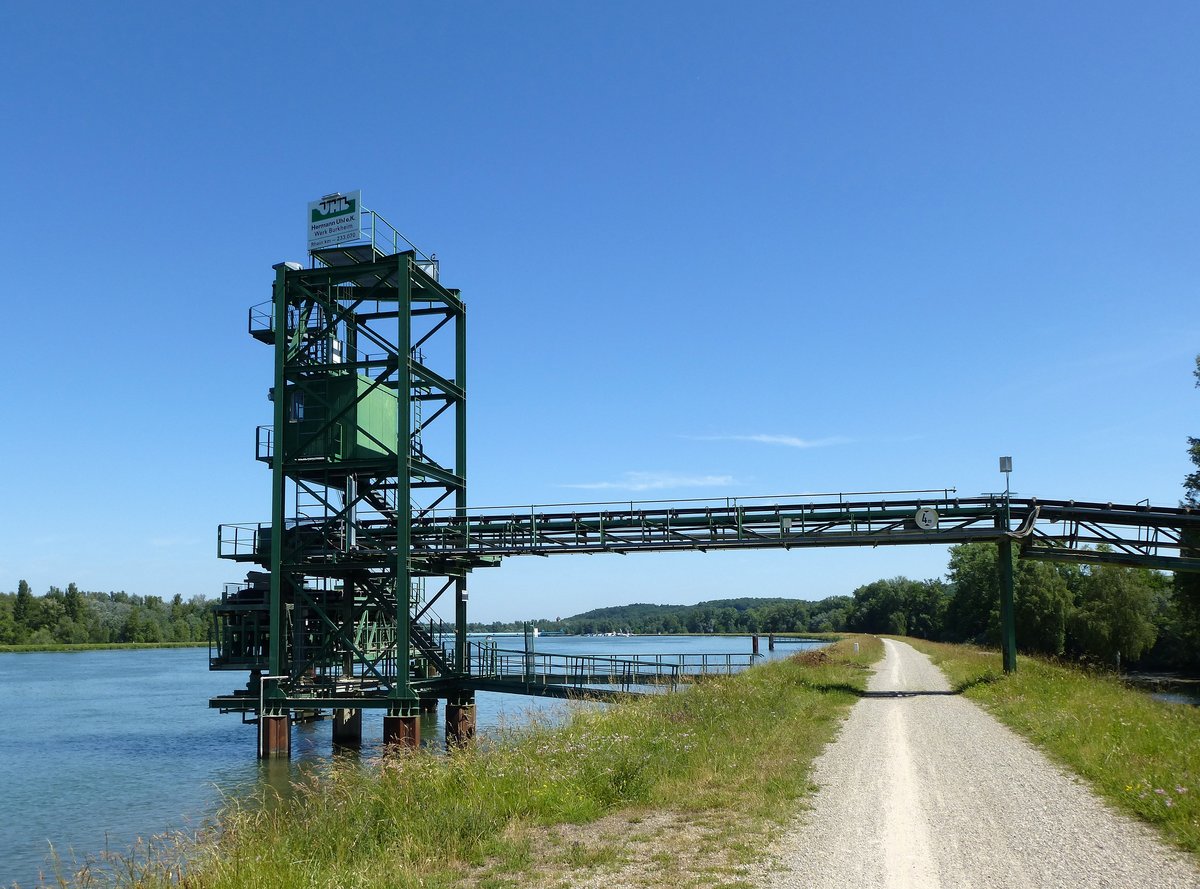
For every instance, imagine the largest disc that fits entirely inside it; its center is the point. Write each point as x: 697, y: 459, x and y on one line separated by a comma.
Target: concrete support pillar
x: 274, y: 737
x: 403, y: 732
x: 428, y: 705
x: 347, y: 727
x: 460, y: 722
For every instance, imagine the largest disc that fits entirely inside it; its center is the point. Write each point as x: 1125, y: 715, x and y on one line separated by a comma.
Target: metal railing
x: 264, y: 443
x: 235, y: 540
x: 387, y: 239
x: 757, y: 500
x: 582, y: 671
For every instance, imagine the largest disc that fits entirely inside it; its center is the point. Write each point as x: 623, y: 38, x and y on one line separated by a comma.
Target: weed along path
x: 924, y: 789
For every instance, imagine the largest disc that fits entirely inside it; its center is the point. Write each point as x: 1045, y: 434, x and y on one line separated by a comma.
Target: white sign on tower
x: 333, y: 219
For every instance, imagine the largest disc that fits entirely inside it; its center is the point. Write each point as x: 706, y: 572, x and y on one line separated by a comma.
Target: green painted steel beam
x: 438, y: 382
x: 277, y: 631
x: 403, y: 696
x: 1008, y: 625
x: 1128, y: 560
x: 439, y: 474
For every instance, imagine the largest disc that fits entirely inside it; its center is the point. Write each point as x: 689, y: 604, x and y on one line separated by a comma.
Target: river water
x: 100, y: 748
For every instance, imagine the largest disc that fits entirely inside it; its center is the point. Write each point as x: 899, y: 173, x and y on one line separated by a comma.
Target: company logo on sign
x: 333, y: 207
x: 333, y: 219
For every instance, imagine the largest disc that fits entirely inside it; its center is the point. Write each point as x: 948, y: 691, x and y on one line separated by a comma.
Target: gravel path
x: 930, y: 791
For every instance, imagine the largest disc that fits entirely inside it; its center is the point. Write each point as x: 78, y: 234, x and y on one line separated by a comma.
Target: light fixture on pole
x: 1006, y: 468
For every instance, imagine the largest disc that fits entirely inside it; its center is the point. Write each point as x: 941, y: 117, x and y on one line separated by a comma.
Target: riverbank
x: 684, y: 785
x: 1140, y: 754
x: 98, y: 646
x: 783, y: 638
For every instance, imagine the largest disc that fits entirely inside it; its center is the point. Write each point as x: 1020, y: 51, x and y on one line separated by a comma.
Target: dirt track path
x: 928, y: 790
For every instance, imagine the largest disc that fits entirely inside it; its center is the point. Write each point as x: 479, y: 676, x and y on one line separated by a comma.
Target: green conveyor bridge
x: 1135, y: 535
x: 1138, y: 535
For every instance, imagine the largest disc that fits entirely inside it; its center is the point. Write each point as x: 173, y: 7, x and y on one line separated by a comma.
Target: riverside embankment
x: 103, y: 746
x: 679, y: 784
x: 921, y: 787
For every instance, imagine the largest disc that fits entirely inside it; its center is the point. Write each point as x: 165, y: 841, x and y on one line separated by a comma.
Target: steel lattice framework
x: 369, y: 434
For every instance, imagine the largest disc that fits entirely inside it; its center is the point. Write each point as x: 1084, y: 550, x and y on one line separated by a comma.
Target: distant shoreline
x: 123, y: 646
x: 96, y: 646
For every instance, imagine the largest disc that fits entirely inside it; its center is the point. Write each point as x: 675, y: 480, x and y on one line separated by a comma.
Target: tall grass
x: 1140, y: 753
x: 741, y: 744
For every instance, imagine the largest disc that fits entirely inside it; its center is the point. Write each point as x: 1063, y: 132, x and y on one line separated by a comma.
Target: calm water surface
x: 100, y: 748
x: 1191, y: 696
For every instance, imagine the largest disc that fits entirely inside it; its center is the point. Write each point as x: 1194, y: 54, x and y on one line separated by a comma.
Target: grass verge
x: 677, y: 790
x: 1141, y: 754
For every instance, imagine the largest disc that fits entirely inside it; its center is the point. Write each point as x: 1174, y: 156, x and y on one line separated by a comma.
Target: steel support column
x: 402, y: 693
x: 403, y: 732
x: 1008, y: 626
x: 277, y: 630
x: 460, y: 720
x: 274, y: 736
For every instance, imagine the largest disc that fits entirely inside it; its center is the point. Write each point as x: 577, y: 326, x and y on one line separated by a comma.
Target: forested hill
x: 774, y: 615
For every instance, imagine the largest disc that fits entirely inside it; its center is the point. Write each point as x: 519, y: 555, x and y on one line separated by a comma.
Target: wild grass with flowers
x: 739, y: 746
x: 1140, y: 753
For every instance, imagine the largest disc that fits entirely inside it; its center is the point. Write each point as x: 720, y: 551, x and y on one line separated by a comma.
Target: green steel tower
x: 369, y: 433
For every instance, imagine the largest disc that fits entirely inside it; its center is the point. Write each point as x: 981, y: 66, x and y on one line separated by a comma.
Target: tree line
x: 73, y: 617
x: 1103, y: 614
x: 1099, y: 613
x: 747, y: 615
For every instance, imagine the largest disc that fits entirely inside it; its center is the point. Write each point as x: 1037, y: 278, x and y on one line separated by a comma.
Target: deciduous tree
x: 1115, y: 614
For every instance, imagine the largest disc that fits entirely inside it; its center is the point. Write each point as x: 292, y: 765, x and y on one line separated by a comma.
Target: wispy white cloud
x: 656, y: 481
x: 788, y: 441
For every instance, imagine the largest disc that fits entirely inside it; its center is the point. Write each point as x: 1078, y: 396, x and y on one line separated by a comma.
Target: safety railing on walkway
x: 585, y: 671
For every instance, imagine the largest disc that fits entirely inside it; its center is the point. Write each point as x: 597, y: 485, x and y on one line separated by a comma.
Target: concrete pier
x: 403, y: 732
x: 428, y: 705
x: 274, y: 737
x: 347, y: 727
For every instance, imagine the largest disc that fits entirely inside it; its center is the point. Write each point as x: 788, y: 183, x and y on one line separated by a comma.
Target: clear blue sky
x: 708, y: 250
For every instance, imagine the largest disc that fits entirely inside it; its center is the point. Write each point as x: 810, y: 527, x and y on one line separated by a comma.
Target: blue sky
x: 707, y: 251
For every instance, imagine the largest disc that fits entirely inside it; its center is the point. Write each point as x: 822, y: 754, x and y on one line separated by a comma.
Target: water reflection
x: 1188, y: 695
